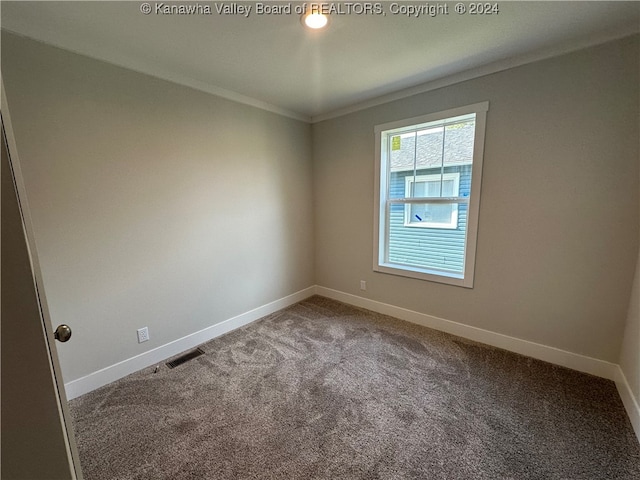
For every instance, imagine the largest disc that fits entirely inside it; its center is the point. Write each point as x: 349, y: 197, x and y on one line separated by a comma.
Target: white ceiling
x: 273, y: 62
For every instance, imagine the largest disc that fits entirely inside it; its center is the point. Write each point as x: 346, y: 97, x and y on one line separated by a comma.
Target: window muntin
x: 428, y: 176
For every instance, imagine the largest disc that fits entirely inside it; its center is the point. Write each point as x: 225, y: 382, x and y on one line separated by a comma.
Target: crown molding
x: 179, y: 79
x: 483, y: 70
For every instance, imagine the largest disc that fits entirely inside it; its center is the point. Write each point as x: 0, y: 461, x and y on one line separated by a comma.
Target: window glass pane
x: 429, y: 151
x: 402, y: 156
x: 432, y: 248
x: 459, y: 139
x: 402, y: 151
x: 397, y: 185
x: 433, y: 213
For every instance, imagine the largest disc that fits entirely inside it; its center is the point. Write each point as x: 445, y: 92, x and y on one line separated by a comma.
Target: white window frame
x: 383, y: 134
x: 409, y: 179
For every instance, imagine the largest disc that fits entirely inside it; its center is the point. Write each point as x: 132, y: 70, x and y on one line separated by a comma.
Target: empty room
x: 339, y: 240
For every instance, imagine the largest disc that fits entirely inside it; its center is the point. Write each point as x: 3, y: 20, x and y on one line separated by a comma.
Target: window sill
x: 438, y: 276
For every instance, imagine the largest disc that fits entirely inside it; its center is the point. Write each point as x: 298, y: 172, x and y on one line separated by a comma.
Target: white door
x: 37, y: 440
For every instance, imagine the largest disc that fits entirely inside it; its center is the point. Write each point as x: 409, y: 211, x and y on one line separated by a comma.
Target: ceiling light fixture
x: 315, y: 20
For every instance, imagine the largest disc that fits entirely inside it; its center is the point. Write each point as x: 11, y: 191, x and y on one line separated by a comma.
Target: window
x: 428, y: 177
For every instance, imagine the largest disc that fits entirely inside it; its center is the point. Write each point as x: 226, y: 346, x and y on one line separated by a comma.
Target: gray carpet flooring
x: 322, y: 390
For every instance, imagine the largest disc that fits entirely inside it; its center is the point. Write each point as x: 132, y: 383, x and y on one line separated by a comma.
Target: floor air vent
x: 185, y: 358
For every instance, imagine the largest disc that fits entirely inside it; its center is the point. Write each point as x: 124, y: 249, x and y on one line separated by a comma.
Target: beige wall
x: 153, y: 204
x: 157, y: 205
x: 558, y: 228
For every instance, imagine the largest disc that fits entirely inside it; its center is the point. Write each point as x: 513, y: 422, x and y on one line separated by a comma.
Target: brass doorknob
x: 62, y: 333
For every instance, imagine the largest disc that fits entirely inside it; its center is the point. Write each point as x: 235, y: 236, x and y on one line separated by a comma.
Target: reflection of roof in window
x: 458, y: 147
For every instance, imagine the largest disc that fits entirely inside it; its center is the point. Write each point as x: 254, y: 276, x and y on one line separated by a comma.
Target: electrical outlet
x: 363, y: 285
x: 143, y: 334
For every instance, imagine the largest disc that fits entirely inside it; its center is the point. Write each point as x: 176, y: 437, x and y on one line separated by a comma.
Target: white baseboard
x: 553, y: 355
x: 629, y: 401
x: 112, y: 373
x: 593, y: 366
